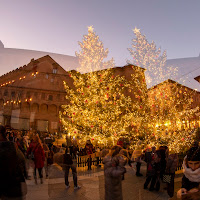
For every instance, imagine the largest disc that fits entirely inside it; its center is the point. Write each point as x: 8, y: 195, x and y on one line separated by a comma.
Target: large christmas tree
x: 169, y: 102
x: 98, y: 108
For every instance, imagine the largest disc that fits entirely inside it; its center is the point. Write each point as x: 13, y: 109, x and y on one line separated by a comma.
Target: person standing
x: 68, y: 164
x: 163, y: 150
x: 171, y: 165
x: 153, y: 169
x: 39, y: 157
x: 114, y: 168
x: 137, y: 157
x: 46, y: 152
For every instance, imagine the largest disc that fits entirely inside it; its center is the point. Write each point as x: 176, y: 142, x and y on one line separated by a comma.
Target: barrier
x: 89, y: 160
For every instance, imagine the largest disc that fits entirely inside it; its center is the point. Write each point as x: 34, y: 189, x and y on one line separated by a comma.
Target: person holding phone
x: 191, y: 170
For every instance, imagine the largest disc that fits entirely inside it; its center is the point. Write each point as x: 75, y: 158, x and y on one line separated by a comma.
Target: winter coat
x: 136, y: 156
x: 191, y: 179
x: 39, y: 156
x: 171, y: 163
x: 12, y: 171
x: 67, y: 160
x: 153, y: 163
x: 113, y: 171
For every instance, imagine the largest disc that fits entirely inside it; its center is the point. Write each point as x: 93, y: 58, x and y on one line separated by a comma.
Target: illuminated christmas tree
x: 98, y: 108
x: 169, y: 102
x: 171, y: 112
x: 147, y: 55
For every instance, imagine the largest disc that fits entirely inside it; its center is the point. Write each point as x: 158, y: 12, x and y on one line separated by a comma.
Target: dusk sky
x: 57, y: 26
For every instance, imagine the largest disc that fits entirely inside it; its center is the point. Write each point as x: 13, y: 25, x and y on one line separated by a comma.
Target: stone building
x: 31, y: 96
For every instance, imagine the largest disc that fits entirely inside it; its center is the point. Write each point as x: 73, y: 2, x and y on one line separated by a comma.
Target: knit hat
x: 193, y: 154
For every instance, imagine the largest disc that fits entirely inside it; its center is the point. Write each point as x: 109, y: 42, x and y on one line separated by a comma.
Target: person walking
x: 68, y: 164
x: 37, y: 150
x: 114, y: 168
x: 191, y: 171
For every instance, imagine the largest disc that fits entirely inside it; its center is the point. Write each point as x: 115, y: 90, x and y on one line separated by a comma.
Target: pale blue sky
x: 57, y: 25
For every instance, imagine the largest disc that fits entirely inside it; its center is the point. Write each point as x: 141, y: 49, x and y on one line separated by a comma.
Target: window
x: 6, y: 93
x: 50, y: 97
x: 43, y: 96
x: 13, y: 94
x: 55, y: 70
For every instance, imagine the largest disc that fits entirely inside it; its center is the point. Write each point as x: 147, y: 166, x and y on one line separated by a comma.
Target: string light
x: 99, y: 109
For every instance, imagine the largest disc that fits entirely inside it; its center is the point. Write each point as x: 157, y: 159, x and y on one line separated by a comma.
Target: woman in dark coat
x: 191, y: 171
x: 113, y: 170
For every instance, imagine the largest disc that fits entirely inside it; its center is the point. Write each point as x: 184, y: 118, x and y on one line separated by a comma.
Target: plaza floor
x: 92, y: 186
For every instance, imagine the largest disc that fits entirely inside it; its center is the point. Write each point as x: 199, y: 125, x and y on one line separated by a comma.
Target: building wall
x: 31, y: 96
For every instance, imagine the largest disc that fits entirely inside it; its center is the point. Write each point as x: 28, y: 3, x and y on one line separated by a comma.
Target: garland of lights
x: 98, y: 108
x: 169, y: 102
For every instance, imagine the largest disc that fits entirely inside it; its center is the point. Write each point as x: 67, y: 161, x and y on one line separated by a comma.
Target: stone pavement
x: 92, y: 186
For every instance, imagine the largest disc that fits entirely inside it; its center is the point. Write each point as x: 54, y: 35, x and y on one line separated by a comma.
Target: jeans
x: 67, y: 168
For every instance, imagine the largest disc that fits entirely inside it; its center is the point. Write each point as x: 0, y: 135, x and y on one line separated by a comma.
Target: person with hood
x: 114, y: 168
x: 12, y: 170
x: 191, y: 171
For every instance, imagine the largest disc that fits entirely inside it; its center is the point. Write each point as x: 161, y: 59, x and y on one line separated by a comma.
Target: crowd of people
x: 17, y: 148
x: 161, y: 167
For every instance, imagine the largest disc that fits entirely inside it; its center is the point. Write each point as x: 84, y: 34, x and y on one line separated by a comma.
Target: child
x: 191, y: 170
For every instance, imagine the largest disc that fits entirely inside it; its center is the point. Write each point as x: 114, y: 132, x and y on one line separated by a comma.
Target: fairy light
x: 169, y: 102
x: 99, y: 109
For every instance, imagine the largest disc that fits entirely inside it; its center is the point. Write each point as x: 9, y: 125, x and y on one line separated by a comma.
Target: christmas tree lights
x: 99, y: 107
x: 169, y: 102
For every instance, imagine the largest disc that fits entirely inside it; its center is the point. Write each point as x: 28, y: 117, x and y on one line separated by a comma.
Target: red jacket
x: 39, y: 155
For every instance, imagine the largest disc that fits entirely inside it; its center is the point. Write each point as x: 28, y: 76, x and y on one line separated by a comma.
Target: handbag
x: 167, y: 178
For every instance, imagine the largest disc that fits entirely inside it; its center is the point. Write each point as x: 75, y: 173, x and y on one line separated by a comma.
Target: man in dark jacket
x: 68, y: 163
x: 12, y: 169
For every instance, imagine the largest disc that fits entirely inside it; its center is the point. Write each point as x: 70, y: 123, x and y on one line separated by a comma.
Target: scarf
x: 193, y: 176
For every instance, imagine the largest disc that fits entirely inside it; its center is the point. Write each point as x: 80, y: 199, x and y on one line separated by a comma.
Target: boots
x: 41, y: 180
x: 35, y: 180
